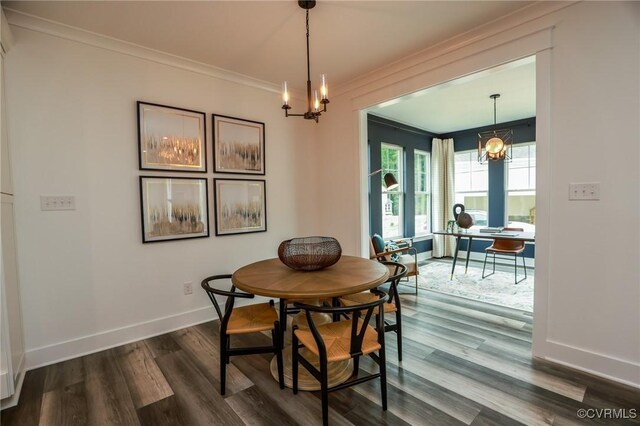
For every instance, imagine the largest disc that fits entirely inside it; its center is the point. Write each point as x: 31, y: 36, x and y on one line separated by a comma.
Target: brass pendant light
x: 495, y: 144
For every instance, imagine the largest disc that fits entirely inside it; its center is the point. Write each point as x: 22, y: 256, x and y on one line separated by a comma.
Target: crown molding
x: 34, y: 23
x: 439, y: 50
x: 6, y: 38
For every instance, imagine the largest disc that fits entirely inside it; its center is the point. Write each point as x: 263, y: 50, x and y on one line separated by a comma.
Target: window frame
x: 473, y: 159
x: 400, y: 190
x: 506, y: 180
x: 427, y: 192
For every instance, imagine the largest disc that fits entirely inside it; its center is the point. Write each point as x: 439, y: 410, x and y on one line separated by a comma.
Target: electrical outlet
x: 584, y: 191
x: 57, y: 202
x: 188, y: 288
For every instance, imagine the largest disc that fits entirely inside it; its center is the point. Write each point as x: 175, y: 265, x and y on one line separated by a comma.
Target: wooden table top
x: 272, y: 278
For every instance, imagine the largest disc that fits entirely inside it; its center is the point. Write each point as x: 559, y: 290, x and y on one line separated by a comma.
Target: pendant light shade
x: 390, y: 181
x: 495, y: 144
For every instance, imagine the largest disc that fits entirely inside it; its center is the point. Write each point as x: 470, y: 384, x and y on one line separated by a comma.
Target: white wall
x: 71, y: 111
x: 587, y: 261
x: 87, y: 280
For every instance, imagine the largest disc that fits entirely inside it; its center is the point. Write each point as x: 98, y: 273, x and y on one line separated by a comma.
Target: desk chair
x: 506, y: 247
x: 396, y: 272
x: 408, y: 257
x: 339, y: 341
x: 243, y: 320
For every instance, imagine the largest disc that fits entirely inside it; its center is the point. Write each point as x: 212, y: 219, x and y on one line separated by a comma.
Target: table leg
x: 455, y: 256
x: 466, y: 265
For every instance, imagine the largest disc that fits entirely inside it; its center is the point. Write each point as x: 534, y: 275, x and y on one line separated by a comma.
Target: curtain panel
x: 442, y: 163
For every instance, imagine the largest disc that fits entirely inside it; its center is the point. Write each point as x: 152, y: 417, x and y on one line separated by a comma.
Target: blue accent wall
x: 381, y: 130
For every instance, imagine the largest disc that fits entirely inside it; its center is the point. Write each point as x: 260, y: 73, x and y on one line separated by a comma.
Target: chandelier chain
x: 308, y: 60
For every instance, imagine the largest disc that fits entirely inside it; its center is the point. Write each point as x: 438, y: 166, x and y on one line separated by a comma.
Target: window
x: 392, y: 201
x: 521, y: 187
x: 422, y: 173
x: 472, y: 183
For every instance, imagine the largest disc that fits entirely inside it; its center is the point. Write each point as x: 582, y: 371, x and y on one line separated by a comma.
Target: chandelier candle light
x: 495, y: 144
x: 313, y: 100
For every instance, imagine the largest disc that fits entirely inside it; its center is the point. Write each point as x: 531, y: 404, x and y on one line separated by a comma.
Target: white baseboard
x: 601, y: 365
x: 425, y: 255
x: 13, y: 400
x: 74, y: 348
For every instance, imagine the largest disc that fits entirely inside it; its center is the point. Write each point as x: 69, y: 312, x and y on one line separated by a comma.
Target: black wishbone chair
x: 242, y: 320
x: 340, y: 341
x: 397, y: 271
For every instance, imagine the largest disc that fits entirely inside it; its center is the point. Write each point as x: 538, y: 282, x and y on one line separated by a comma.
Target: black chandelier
x: 313, y: 101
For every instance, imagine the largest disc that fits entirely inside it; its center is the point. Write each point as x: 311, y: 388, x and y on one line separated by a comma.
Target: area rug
x: 497, y: 289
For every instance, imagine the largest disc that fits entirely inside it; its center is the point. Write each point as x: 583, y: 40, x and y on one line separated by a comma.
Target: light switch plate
x: 57, y: 202
x: 584, y: 191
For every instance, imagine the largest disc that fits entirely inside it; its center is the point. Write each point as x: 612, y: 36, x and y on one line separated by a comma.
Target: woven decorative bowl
x: 309, y: 253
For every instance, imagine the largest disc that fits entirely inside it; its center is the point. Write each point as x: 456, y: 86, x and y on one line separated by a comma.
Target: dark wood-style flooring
x: 465, y: 363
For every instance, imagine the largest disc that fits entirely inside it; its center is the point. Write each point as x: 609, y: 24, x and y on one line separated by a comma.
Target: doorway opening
x: 402, y: 134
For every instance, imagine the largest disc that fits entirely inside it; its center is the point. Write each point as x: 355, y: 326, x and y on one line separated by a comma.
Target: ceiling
x: 266, y: 40
x: 464, y: 103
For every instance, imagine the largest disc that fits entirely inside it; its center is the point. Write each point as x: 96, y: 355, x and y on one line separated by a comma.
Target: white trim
x: 544, y: 183
x: 414, y: 63
x: 423, y: 237
x: 62, y: 351
x: 493, y: 51
x: 6, y: 38
x: 34, y: 23
x: 365, y: 181
x: 422, y: 256
x: 4, y: 383
x: 13, y: 400
x: 595, y: 363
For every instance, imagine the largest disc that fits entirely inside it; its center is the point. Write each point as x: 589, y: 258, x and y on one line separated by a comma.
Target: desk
x: 272, y: 278
x: 472, y: 233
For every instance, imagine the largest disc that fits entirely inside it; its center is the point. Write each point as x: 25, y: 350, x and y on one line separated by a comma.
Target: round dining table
x: 272, y: 278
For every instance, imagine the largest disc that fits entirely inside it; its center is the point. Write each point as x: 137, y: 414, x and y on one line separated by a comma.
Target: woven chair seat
x: 365, y: 297
x: 252, y: 318
x: 337, y: 340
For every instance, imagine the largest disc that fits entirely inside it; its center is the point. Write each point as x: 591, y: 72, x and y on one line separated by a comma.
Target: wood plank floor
x: 465, y: 363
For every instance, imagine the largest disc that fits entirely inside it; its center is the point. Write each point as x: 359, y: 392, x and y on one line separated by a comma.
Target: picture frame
x: 240, y: 206
x: 173, y: 208
x: 171, y: 139
x: 238, y: 145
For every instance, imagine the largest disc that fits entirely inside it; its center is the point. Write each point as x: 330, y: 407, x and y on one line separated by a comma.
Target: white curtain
x: 443, y: 188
